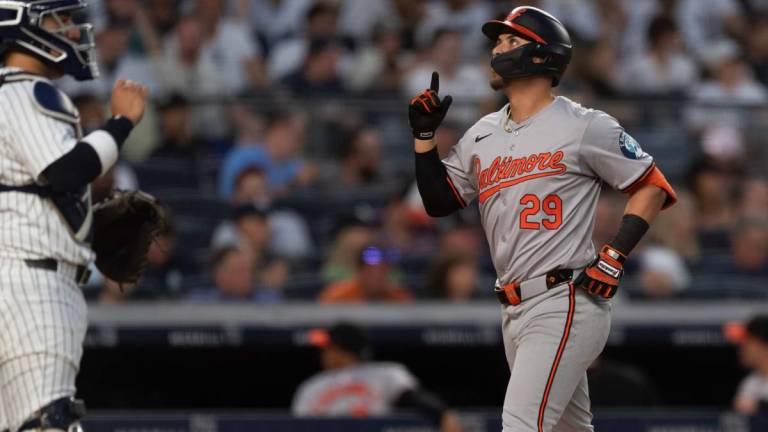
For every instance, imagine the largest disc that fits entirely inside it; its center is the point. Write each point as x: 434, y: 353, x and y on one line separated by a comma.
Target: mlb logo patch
x: 629, y: 147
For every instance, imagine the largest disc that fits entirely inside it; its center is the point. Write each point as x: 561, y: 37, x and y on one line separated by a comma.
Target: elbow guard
x: 655, y: 177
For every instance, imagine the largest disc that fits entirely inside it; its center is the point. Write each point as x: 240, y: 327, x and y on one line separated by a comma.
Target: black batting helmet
x: 549, y: 41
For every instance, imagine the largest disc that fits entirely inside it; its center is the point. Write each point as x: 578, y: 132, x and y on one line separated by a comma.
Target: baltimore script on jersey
x: 546, y: 163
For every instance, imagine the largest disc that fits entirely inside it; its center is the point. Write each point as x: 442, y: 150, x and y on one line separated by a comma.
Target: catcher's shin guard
x: 61, y: 415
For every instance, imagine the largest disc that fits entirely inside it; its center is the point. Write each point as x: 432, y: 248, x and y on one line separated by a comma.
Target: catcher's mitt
x: 124, y: 226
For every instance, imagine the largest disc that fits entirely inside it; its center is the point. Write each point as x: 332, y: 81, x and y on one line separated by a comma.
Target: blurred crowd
x: 277, y: 137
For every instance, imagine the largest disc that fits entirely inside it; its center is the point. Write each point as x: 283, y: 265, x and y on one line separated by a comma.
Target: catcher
x: 47, y: 222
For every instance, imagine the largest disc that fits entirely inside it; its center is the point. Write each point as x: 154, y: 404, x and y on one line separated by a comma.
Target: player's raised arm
x: 98, y: 151
x: 425, y: 113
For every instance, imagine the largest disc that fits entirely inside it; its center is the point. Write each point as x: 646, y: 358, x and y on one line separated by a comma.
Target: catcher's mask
x: 550, y: 42
x: 21, y: 27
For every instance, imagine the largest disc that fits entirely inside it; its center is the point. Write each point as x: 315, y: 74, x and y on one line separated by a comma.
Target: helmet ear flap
x: 538, y: 50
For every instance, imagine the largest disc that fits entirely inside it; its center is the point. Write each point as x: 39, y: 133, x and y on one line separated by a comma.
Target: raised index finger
x: 435, y: 84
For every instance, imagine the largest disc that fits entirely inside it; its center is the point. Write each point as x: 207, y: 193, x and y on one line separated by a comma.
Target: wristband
x: 119, y: 127
x: 632, y: 229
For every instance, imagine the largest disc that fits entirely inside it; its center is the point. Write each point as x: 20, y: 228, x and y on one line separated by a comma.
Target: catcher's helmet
x: 21, y: 27
x: 549, y: 41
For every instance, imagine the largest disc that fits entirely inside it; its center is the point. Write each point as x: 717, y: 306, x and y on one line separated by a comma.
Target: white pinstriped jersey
x: 30, y: 140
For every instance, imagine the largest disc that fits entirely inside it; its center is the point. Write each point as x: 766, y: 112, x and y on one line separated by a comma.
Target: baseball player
x: 45, y: 208
x: 536, y: 167
x: 352, y: 384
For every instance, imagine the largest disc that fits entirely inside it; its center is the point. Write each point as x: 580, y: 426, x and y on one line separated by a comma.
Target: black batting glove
x: 601, y: 277
x: 426, y: 111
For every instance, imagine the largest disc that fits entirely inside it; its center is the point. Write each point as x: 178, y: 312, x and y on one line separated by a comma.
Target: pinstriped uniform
x: 538, y: 183
x: 42, y: 312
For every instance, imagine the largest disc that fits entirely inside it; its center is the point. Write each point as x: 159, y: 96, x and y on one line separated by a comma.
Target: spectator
x: 732, y: 80
x: 453, y: 278
x: 724, y: 144
x: 251, y: 230
x: 274, y: 21
x: 704, y: 22
x: 229, y: 45
x: 146, y: 20
x: 352, y: 235
x: 753, y: 198
x: 406, y: 228
x: 752, y: 395
x: 410, y: 14
x: 461, y: 16
x: 359, y: 153
x: 757, y: 46
x: 462, y: 237
x: 253, y: 226
x: 183, y: 68
x: 589, y: 21
x: 675, y: 228
x: 359, y: 19
x: 461, y: 80
x: 712, y: 188
x: 114, y: 61
x: 607, y: 216
x: 279, y: 155
x: 166, y: 266
x: 176, y: 136
x: 749, y: 248
x: 446, y: 137
x: 662, y: 273
x: 371, y: 282
x: 732, y: 83
x: 92, y: 111
x: 599, y: 68
x: 162, y: 16
x: 361, y: 159
x: 378, y: 68
x: 353, y: 385
x: 634, y: 34
x: 664, y: 67
x: 234, y: 279
x: 319, y: 75
x: 289, y: 233
x: 289, y: 55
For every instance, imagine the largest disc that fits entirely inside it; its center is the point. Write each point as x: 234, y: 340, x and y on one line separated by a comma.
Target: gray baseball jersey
x: 753, y: 387
x: 360, y: 390
x: 538, y: 182
x: 30, y: 140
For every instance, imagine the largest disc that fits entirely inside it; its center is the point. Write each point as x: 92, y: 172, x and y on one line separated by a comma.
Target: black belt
x: 511, y: 294
x: 82, y: 274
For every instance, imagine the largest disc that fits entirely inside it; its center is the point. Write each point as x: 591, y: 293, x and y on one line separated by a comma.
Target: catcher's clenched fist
x: 128, y: 100
x: 427, y: 111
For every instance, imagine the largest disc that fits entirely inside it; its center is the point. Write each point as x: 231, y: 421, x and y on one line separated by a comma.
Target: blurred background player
x: 353, y: 385
x: 752, y: 396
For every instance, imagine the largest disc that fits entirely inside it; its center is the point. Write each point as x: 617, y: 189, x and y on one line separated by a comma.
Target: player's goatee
x: 496, y: 82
